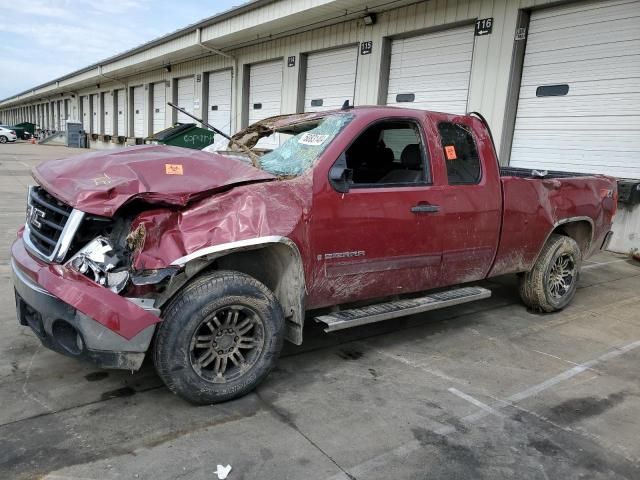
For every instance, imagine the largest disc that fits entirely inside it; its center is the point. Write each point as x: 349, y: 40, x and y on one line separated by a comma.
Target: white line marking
x: 476, y: 402
x: 593, y: 265
x: 360, y: 470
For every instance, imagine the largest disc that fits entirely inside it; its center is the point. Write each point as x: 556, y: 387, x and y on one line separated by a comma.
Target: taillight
x: 12, y: 132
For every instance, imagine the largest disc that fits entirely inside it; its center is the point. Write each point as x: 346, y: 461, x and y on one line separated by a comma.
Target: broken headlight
x: 99, y: 261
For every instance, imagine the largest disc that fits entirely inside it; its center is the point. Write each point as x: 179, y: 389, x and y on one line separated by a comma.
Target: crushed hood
x: 101, y: 182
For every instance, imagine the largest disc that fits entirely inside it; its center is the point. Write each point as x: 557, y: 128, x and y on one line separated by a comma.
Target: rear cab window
x: 460, y: 154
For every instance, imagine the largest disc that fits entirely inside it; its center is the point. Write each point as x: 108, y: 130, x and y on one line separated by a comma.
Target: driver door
x: 378, y: 238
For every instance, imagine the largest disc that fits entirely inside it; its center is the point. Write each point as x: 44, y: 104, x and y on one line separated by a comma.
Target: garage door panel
x: 108, y: 113
x: 435, y: 67
x: 595, y: 128
x: 186, y: 97
x: 579, y: 16
x: 453, y: 53
x: 86, y: 114
x: 598, y: 69
x: 159, y: 107
x: 265, y: 89
x: 138, y: 112
x: 584, y: 105
x: 120, y: 113
x: 609, y: 141
x: 582, y: 52
x: 330, y: 79
x: 219, y: 97
x: 427, y: 83
x: 592, y: 87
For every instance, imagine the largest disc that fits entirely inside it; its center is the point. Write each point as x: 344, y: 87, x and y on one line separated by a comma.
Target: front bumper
x: 63, y: 327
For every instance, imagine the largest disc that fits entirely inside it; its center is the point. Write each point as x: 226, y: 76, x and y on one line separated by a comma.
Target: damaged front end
x: 74, y: 285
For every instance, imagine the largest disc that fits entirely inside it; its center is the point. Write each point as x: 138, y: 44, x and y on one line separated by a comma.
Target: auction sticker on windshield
x: 312, y: 139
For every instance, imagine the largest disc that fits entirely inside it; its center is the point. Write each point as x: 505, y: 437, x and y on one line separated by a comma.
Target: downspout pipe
x: 226, y: 55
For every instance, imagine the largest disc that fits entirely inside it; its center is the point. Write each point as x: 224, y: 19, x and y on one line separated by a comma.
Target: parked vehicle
x: 7, y: 134
x: 209, y: 261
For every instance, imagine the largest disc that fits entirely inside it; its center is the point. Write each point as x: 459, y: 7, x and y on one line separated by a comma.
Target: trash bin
x: 186, y: 135
x: 24, y: 130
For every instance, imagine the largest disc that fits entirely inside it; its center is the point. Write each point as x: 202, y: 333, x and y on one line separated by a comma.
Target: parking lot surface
x: 485, y: 390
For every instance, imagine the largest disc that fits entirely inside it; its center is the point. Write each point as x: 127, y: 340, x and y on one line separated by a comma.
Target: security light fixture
x: 167, y: 68
x: 370, y: 19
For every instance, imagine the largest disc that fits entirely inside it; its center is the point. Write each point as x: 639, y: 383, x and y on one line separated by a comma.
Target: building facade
x: 558, y: 82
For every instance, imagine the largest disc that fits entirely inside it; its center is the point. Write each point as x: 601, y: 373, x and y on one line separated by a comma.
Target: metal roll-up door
x: 138, y: 112
x: 432, y: 71
x: 107, y: 100
x: 219, y: 100
x: 120, y: 113
x: 58, y: 114
x: 265, y: 96
x: 185, y: 98
x: 330, y: 79
x: 159, y: 106
x: 86, y: 114
x: 95, y: 119
x: 579, y: 101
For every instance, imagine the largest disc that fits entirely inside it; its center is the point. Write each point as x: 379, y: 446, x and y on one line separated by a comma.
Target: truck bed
x: 533, y: 173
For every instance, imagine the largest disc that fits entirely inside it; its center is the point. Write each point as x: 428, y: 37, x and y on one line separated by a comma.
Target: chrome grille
x: 50, y: 225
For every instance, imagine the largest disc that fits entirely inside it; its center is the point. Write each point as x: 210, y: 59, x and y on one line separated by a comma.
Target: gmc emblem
x: 33, y: 214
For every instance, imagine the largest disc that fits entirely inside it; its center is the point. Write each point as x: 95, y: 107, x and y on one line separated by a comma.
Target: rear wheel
x: 552, y: 282
x: 3, y: 139
x: 219, y: 339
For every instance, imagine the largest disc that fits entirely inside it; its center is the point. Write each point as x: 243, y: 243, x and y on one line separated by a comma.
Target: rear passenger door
x: 377, y: 239
x: 470, y: 204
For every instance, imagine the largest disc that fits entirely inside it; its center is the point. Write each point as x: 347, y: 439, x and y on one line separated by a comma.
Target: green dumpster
x: 185, y: 135
x: 25, y: 130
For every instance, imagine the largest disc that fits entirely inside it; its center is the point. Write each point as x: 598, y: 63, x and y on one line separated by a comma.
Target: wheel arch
x: 274, y: 261
x: 579, y: 229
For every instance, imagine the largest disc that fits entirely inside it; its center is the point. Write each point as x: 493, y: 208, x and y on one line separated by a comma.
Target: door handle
x: 425, y: 208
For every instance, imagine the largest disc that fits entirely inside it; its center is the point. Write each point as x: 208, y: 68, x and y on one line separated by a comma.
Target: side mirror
x: 340, y: 176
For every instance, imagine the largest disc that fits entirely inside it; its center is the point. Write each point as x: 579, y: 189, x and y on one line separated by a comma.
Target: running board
x: 400, y: 308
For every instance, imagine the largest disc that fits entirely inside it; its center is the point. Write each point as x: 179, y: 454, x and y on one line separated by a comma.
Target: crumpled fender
x: 246, y: 212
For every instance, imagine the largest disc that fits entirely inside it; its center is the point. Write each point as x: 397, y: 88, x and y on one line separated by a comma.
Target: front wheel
x: 552, y: 282
x: 220, y: 337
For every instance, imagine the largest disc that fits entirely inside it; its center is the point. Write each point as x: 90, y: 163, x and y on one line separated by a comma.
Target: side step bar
x: 400, y: 308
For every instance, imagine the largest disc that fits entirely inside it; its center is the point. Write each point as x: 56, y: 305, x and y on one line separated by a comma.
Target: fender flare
x: 289, y: 287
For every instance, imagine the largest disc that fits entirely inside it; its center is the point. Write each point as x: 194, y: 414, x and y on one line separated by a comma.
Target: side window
x: 460, y: 154
x: 388, y: 153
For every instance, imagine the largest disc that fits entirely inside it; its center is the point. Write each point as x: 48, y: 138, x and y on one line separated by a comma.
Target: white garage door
x: 138, y: 112
x: 219, y: 100
x: 120, y: 111
x: 579, y: 105
x: 159, y: 106
x: 185, y: 98
x: 95, y: 119
x: 432, y: 71
x: 265, y: 95
x: 86, y: 114
x: 331, y: 79
x: 107, y: 101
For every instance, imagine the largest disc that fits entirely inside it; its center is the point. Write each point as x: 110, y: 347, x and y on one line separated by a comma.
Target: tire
x: 202, y: 348
x: 551, y: 284
x: 3, y: 139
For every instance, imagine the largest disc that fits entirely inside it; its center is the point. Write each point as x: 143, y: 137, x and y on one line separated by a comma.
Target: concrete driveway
x: 481, y: 391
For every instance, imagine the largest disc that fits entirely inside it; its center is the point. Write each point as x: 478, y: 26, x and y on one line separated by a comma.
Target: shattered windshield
x: 297, y: 154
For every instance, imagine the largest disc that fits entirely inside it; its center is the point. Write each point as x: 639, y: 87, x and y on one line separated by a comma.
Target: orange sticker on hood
x: 450, y: 152
x: 173, y: 169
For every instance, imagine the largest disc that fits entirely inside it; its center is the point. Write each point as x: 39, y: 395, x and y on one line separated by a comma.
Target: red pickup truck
x: 212, y: 259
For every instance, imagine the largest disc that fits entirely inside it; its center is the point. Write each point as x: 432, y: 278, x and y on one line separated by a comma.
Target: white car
x: 7, y: 135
